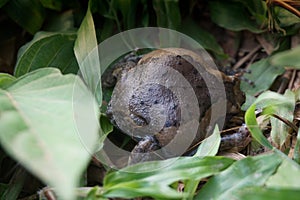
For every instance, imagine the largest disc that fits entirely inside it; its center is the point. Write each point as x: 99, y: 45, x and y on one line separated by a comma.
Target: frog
x: 146, y: 96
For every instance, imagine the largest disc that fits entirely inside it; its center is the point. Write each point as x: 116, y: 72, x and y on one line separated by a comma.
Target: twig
x: 285, y: 81
x: 247, y: 57
x: 292, y: 79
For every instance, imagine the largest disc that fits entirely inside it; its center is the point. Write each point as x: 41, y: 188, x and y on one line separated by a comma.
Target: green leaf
x: 285, y: 17
x: 251, y: 171
x: 210, y: 146
x: 233, y: 16
x: 6, y: 80
x: 15, y: 185
x: 285, y: 110
x: 145, y: 14
x: 261, y: 193
x: 297, y: 148
x: 52, y: 4
x: 253, y: 127
x: 155, y: 178
x: 249, y: 101
x: 167, y: 13
x: 86, y: 51
x: 29, y: 14
x: 271, y: 99
x: 93, y: 194
x: 289, y: 58
x: 105, y: 128
x: 47, y: 50
x: 3, y: 187
x: 283, y: 184
x: 287, y: 175
x: 107, y: 30
x: 105, y: 124
x: 3, y: 2
x: 128, y: 8
x: 207, y: 40
x: 263, y: 75
x: 48, y: 121
x: 257, y: 8
x: 273, y: 103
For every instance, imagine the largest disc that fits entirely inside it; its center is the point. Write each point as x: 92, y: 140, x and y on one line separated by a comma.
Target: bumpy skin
x: 183, y: 61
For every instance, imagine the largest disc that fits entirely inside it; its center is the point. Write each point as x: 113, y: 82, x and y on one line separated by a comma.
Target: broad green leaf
x: 167, y: 13
x: 284, y: 183
x: 287, y: 176
x: 3, y: 2
x: 262, y: 193
x: 87, y: 55
x: 251, y: 171
x: 271, y: 99
x: 94, y: 193
x: 105, y: 8
x: 233, y: 16
x: 52, y: 4
x: 297, y: 148
x: 154, y: 178
x: 128, y: 8
x: 263, y: 75
x: 289, y: 58
x: 249, y: 101
x: 273, y: 103
x: 3, y: 187
x: 285, y: 17
x: 257, y: 8
x: 107, y: 30
x: 106, y: 126
x: 203, y: 37
x: 6, y: 80
x: 210, y: 146
x: 15, y: 185
x: 49, y: 123
x: 253, y: 127
x: 145, y: 14
x: 47, y: 50
x: 29, y: 14
x: 167, y: 16
x: 280, y: 130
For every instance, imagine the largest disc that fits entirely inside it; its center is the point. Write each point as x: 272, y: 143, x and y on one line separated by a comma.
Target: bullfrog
x: 146, y: 94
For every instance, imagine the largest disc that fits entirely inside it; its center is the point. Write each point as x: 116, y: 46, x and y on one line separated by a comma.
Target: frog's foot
x: 236, y: 141
x: 144, y: 150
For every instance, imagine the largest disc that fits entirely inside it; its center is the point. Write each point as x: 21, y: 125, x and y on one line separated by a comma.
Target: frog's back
x: 191, y: 66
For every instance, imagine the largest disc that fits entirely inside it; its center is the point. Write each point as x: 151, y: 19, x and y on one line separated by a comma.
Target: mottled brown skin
x: 183, y: 61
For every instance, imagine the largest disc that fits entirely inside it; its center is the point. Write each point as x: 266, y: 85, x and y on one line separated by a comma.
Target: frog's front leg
x: 144, y: 150
x: 153, y: 147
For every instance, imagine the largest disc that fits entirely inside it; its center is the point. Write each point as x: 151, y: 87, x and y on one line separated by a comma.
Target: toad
x: 150, y: 100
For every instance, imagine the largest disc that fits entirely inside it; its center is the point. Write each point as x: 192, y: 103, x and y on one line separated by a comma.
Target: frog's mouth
x: 139, y: 120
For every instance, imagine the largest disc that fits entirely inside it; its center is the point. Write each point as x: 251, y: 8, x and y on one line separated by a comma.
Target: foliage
x: 36, y: 114
x: 52, y: 49
x: 50, y: 103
